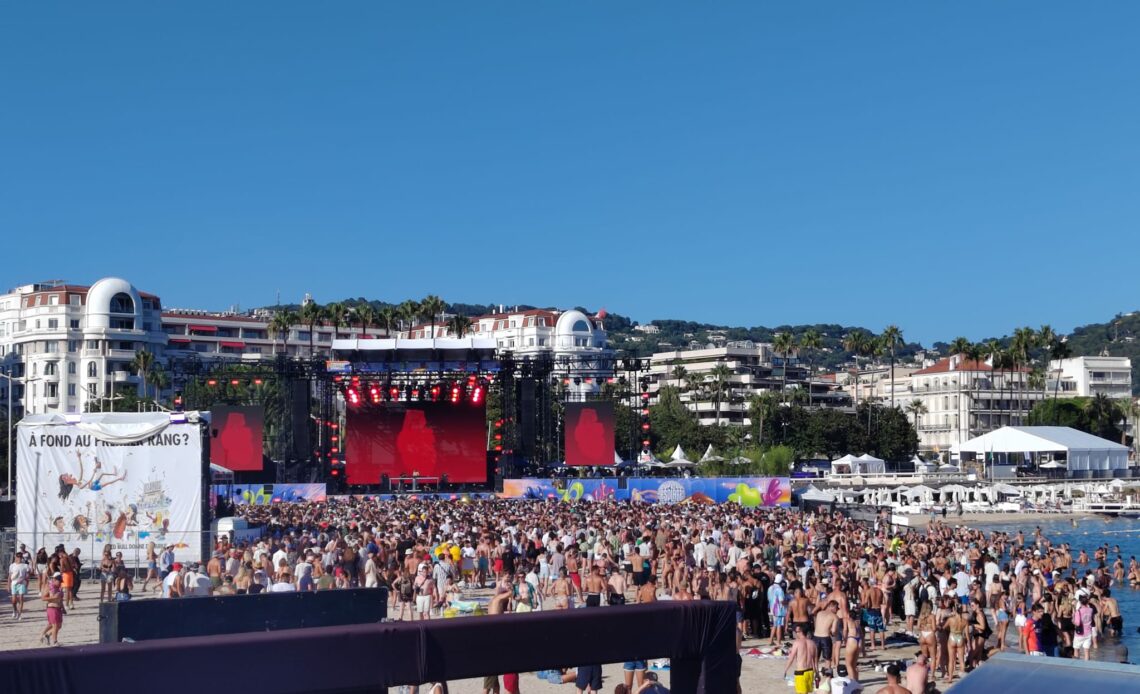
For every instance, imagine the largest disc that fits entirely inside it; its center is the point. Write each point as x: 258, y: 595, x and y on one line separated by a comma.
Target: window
x: 71, y: 390
x: 75, y: 300
x: 35, y: 367
x: 75, y: 324
x: 53, y: 323
x: 23, y: 326
x: 93, y: 389
x: 71, y: 368
x: 51, y: 346
x: 51, y: 390
x: 92, y: 370
x: 122, y: 303
x: 93, y: 344
x: 54, y: 300
x: 50, y: 368
x: 73, y: 346
x: 37, y: 324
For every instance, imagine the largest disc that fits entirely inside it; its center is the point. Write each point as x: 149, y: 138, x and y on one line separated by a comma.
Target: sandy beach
x: 81, y: 627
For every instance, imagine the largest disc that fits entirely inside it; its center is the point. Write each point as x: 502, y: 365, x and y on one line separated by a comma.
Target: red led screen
x: 589, y: 433
x: 236, y: 437
x: 433, y: 439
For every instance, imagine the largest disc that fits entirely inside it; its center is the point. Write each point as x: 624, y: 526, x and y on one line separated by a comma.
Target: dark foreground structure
x: 698, y: 637
x: 1007, y: 672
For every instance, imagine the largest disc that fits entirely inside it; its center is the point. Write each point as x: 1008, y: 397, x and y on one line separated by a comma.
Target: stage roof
x: 1007, y: 672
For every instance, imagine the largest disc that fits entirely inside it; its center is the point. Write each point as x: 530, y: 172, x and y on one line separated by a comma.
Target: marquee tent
x: 1082, y: 451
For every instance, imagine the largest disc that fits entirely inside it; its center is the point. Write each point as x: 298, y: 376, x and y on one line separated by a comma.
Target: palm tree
x: 855, y: 342
x: 408, y: 312
x: 892, y: 337
x: 159, y: 379
x: 1024, y: 340
x: 337, y: 315
x: 280, y: 325
x: 810, y: 341
x: 719, y: 383
x: 311, y: 314
x: 784, y: 343
x: 388, y: 317
x: 143, y: 365
x: 1058, y: 350
x: 959, y: 346
x: 431, y: 307
x: 916, y: 408
x: 762, y: 406
x: 678, y: 372
x: 458, y: 325
x: 975, y: 353
x: 366, y: 316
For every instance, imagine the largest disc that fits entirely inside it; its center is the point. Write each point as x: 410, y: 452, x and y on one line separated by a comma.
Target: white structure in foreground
x: 1081, y: 453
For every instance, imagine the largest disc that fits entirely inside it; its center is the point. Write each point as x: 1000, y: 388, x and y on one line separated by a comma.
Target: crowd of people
x: 824, y: 589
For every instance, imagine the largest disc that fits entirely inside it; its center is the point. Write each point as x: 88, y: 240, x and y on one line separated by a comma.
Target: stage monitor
x: 590, y: 433
x: 432, y: 439
x: 236, y: 434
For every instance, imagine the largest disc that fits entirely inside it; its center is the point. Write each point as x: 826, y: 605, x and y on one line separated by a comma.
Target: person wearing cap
x: 778, y: 608
x: 172, y: 584
x: 18, y: 574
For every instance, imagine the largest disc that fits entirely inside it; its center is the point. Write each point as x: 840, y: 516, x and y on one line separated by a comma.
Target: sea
x: 1090, y: 533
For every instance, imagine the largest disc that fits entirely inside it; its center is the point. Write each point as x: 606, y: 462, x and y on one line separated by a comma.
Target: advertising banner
x: 94, y: 485
x: 262, y: 494
x: 749, y: 492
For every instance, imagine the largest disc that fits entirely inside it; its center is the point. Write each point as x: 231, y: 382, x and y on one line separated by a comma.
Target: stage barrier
x: 750, y: 492
x: 262, y: 494
x: 699, y: 638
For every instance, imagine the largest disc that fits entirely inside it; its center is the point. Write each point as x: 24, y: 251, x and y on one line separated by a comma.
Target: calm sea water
x: 1089, y: 534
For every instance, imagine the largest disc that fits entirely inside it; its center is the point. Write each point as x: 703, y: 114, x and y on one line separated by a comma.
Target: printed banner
x: 750, y: 492
x: 262, y: 494
x: 80, y: 490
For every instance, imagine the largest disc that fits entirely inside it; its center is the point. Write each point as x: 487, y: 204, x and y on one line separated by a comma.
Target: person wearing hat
x: 172, y: 584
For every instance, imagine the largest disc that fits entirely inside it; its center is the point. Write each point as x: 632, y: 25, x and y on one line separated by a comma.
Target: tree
x: 431, y: 307
x: 916, y: 408
x: 777, y: 461
x: 458, y: 325
x: 337, y: 315
x: 760, y: 408
x: 1058, y: 350
x: 856, y: 342
x: 892, y: 337
x: 1103, y: 415
x: 720, y: 382
x: 311, y: 314
x: 678, y: 372
x: 366, y: 316
x: 159, y: 379
x: 959, y: 345
x: 1024, y: 340
x: 387, y: 318
x: 671, y: 423
x: 810, y: 341
x: 280, y: 325
x: 784, y: 343
x: 408, y: 312
x: 143, y: 365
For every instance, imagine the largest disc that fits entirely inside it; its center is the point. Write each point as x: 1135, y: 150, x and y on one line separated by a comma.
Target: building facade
x: 69, y: 345
x: 214, y: 336
x: 961, y: 399
x: 1086, y: 377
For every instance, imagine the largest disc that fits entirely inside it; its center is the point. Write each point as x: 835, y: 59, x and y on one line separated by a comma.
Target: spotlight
x: 394, y: 393
x: 436, y: 390
x: 477, y: 394
x: 352, y: 395
x: 374, y: 394
x: 456, y: 393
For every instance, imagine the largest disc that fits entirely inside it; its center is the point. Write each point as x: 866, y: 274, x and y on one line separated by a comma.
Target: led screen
x: 433, y: 439
x: 589, y: 433
x: 236, y: 435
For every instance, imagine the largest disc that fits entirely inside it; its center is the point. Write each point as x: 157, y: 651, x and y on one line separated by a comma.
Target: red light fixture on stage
x: 212, y: 382
x: 456, y: 393
x: 393, y: 393
x: 478, y: 391
x: 352, y: 396
x: 436, y: 390
x: 374, y: 394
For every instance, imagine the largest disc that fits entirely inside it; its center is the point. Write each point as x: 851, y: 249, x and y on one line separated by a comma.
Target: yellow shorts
x: 805, y: 681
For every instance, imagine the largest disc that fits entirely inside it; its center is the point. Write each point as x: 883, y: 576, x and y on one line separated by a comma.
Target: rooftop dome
x: 112, y: 295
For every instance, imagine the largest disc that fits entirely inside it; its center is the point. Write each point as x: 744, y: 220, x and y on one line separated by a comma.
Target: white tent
x: 617, y: 458
x: 740, y: 460
x: 921, y: 491
x: 1083, y: 451
x: 678, y: 453
x: 1003, y: 488
x: 813, y: 494
x: 678, y: 464
x: 845, y: 465
x: 710, y: 457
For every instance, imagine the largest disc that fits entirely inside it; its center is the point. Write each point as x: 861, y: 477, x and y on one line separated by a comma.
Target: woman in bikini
x: 956, y: 627
x: 853, y: 628
x: 927, y: 643
x: 1000, y: 607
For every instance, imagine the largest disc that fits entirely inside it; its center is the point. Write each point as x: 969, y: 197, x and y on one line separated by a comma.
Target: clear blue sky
x: 955, y: 169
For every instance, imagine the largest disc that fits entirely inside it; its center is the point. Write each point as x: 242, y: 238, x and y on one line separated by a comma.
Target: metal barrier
x: 699, y: 638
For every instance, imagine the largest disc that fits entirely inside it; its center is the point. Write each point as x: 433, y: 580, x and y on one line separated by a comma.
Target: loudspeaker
x: 527, y: 418
x: 299, y: 418
x: 385, y: 483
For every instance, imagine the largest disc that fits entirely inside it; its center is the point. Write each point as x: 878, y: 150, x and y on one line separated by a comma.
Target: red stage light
x: 257, y: 381
x: 477, y: 395
x: 235, y: 382
x: 645, y: 426
x: 456, y: 393
x: 334, y: 425
x: 645, y: 443
x: 334, y: 438
x: 498, y: 437
x: 498, y: 422
x: 212, y: 382
x: 393, y: 393
x: 335, y: 472
x: 352, y: 395
x: 435, y: 390
x: 374, y: 394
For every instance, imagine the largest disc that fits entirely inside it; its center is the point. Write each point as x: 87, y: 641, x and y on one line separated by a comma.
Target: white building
x: 232, y: 336
x: 1090, y: 376
x: 73, y: 344
x: 752, y: 372
x: 963, y: 399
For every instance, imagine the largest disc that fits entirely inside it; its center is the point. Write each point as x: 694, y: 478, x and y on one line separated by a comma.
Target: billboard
x: 589, y: 438
x: 428, y: 439
x: 121, y: 481
x: 263, y: 494
x: 237, y: 433
x: 749, y: 492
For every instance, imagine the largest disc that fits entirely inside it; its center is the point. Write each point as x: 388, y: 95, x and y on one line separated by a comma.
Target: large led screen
x: 589, y: 433
x: 236, y: 435
x: 432, y: 439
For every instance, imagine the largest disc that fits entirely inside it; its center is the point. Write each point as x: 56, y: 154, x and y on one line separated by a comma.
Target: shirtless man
x: 872, y: 600
x: 1110, y: 612
x: 595, y: 588
x: 499, y: 603
x: 802, y: 660
x: 917, y: 674
x: 826, y: 629
x: 799, y: 609
x: 892, y: 686
x: 617, y: 587
x: 648, y: 591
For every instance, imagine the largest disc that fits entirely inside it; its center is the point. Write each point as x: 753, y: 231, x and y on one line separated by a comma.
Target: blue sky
x: 955, y: 169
